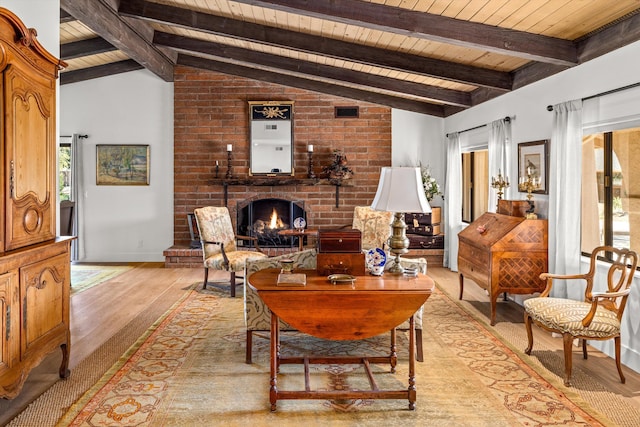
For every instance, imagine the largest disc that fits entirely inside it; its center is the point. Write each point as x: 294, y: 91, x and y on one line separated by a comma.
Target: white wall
x: 124, y: 223
x: 43, y: 15
x: 417, y: 138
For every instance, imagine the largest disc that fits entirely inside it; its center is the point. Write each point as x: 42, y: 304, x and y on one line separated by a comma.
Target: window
x: 475, y: 184
x: 610, y: 183
x: 64, y: 174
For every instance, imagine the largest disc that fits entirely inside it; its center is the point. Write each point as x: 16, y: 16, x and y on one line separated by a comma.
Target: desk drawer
x: 473, y: 269
x: 331, y: 241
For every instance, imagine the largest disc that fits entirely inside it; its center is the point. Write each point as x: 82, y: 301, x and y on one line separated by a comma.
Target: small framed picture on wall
x: 533, y: 167
x: 122, y: 165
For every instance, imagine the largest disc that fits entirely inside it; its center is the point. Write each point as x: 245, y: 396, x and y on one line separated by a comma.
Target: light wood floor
x: 99, y: 312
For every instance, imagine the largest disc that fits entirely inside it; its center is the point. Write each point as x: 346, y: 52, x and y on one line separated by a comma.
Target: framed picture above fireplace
x: 271, y: 137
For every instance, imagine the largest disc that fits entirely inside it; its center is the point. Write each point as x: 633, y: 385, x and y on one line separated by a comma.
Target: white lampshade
x: 400, y: 190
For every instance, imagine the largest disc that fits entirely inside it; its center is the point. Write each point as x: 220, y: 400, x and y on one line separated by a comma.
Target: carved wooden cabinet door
x: 44, y: 291
x: 30, y: 157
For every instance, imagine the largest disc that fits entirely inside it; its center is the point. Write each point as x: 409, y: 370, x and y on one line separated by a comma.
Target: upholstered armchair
x: 374, y: 225
x: 219, y: 249
x: 596, y: 318
x: 258, y: 318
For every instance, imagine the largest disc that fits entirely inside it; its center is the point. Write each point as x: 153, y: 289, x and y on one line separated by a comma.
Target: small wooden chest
x: 341, y: 263
x: 345, y: 241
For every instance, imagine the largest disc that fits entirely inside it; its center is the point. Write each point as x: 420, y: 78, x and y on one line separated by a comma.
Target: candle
x: 216, y: 163
x: 229, y: 147
x: 310, y: 148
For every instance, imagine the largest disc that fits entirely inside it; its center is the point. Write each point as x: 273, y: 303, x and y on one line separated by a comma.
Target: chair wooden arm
x: 597, y: 296
x: 224, y: 254
x: 550, y: 276
x: 545, y: 276
x: 250, y: 239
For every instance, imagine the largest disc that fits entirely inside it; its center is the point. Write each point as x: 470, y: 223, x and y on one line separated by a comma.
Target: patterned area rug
x: 84, y: 276
x: 189, y: 370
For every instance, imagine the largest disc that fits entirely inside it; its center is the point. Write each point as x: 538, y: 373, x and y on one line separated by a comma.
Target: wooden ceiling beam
x: 622, y: 33
x: 432, y: 27
x: 352, y: 52
x: 430, y: 93
x: 99, y: 71
x: 86, y: 47
x: 104, y: 21
x: 65, y: 17
x: 314, y: 85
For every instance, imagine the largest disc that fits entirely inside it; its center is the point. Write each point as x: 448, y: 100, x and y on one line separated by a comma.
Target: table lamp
x: 400, y: 190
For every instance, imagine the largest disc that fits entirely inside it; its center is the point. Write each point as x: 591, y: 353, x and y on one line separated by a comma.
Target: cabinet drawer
x: 339, y: 241
x: 473, y: 269
x: 477, y: 256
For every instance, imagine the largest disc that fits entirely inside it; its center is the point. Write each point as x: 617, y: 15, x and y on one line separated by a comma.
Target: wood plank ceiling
x: 435, y: 57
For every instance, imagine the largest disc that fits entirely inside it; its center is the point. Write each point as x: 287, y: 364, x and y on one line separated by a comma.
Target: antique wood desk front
x: 369, y: 306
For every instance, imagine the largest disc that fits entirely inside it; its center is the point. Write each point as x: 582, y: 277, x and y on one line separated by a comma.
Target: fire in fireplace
x: 265, y: 218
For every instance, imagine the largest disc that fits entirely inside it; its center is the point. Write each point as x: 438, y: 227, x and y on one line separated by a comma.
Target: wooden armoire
x: 34, y: 263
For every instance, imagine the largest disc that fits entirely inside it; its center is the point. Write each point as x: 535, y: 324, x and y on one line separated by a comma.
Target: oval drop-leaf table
x: 369, y: 306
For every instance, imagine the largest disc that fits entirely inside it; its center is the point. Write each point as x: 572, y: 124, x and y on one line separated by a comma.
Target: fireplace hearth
x: 265, y: 218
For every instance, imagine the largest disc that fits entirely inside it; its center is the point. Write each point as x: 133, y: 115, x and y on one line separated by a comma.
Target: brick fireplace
x: 211, y: 110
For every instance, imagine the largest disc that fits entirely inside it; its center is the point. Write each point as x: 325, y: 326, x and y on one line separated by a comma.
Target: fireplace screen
x: 265, y: 218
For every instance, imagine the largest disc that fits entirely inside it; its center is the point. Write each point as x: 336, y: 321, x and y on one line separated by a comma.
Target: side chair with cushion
x: 598, y: 317
x: 219, y: 249
x: 258, y: 317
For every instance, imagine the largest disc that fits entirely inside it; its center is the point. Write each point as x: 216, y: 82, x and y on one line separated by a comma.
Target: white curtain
x: 77, y: 190
x: 565, y: 176
x: 499, y: 140
x: 452, y: 201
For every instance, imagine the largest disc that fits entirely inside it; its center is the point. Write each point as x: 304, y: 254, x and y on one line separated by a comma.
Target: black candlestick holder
x: 229, y: 173
x: 311, y: 174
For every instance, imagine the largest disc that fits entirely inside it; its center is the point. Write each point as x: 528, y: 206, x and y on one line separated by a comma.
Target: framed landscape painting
x: 533, y: 160
x: 122, y: 165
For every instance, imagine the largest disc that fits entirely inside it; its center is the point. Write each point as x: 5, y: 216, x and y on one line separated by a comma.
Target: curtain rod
x: 608, y: 92
x: 70, y: 136
x: 506, y: 119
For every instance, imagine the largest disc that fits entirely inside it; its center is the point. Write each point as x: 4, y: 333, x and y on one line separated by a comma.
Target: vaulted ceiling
x: 435, y: 57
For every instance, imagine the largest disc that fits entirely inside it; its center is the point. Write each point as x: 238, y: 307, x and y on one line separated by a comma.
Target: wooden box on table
x: 503, y: 254
x: 345, y: 241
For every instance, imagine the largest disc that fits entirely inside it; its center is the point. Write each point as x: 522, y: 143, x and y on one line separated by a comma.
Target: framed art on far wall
x: 122, y: 165
x: 533, y: 161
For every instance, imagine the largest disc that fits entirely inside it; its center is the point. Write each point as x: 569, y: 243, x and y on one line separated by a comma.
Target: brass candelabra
x: 500, y: 183
x: 529, y: 184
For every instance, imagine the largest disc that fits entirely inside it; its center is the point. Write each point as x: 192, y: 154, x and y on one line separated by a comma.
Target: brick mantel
x: 211, y: 111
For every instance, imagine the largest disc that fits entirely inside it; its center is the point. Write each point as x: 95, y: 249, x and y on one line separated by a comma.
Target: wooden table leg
x: 273, y: 391
x: 412, y: 360
x: 393, y: 357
